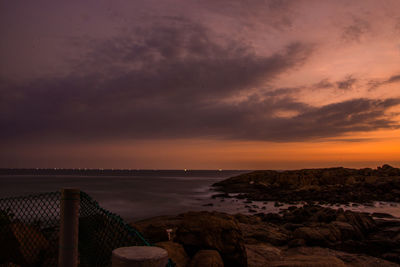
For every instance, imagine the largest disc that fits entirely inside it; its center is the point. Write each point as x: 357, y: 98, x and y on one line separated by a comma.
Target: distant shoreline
x: 106, y: 172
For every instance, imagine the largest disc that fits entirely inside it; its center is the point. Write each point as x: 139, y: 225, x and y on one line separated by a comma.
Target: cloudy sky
x: 261, y: 84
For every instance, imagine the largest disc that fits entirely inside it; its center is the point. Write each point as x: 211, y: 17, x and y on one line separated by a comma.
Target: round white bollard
x: 139, y: 256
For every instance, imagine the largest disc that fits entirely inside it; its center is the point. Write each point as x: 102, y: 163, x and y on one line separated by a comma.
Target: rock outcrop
x: 209, y: 258
x: 197, y: 231
x: 307, y: 236
x: 331, y: 185
x: 176, y: 252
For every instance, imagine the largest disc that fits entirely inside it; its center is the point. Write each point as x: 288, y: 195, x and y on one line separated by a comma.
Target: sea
x: 150, y: 193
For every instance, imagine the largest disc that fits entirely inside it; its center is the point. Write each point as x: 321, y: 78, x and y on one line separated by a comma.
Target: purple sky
x: 199, y: 84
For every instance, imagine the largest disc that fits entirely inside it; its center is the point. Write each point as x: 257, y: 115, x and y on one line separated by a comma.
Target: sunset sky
x: 203, y: 84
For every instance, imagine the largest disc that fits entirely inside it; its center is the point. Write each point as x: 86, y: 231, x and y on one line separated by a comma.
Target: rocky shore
x: 330, y: 185
x: 307, y: 236
x: 310, y: 235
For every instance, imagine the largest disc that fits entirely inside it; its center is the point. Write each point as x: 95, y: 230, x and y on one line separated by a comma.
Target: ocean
x: 149, y: 193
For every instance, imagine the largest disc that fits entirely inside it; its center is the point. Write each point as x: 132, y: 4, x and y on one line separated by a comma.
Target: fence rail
x: 30, y: 231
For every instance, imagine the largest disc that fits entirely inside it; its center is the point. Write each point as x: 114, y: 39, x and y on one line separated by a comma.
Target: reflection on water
x: 158, y: 193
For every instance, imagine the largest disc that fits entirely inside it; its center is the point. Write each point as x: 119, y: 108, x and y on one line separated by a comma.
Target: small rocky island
x: 330, y: 185
x: 309, y: 235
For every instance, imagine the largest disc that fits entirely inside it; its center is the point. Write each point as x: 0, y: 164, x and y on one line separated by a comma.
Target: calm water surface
x: 152, y: 193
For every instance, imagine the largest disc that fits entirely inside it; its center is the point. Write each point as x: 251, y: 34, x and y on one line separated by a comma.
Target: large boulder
x: 209, y: 258
x: 318, y: 235
x: 22, y: 244
x: 261, y: 254
x: 265, y: 232
x: 156, y: 229
x: 176, y: 252
x: 362, y: 223
x: 213, y: 230
x: 9, y: 246
x: 347, y: 231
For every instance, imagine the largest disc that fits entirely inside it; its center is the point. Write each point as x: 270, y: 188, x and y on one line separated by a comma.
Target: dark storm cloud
x: 323, y: 84
x: 347, y: 83
x: 355, y: 31
x: 393, y: 79
x: 374, y: 84
x: 178, y: 82
x: 275, y: 14
x: 282, y: 91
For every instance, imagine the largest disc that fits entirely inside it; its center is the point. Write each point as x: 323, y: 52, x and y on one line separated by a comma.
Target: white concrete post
x: 69, y: 226
x: 139, y: 256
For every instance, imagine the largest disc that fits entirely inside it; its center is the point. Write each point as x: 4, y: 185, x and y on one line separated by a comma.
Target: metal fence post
x: 69, y: 225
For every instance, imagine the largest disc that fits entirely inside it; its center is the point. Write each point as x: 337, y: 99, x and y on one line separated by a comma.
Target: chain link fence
x: 29, y: 231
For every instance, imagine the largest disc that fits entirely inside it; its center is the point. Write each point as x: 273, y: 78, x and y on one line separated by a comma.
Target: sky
x: 174, y: 84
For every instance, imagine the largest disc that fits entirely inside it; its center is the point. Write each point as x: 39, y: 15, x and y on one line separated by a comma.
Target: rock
x: 381, y: 215
x: 272, y: 217
x: 224, y: 195
x: 247, y: 219
x: 292, y: 226
x: 208, y: 205
x: 22, y: 244
x: 347, y: 231
x: 318, y: 235
x: 260, y: 254
x: 363, y: 222
x: 309, y: 261
x: 265, y: 232
x: 32, y: 252
x: 9, y: 246
x: 323, y: 215
x: 213, y: 230
x: 209, y: 258
x: 296, y: 243
x: 176, y: 252
x: 392, y: 256
x: 155, y: 229
x: 327, y: 185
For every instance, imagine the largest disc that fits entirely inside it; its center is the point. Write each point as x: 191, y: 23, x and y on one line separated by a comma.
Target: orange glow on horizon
x: 378, y: 148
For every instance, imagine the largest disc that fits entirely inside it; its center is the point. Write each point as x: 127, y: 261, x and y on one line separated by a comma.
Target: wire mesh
x: 29, y: 232
x: 100, y: 232
x: 29, y: 229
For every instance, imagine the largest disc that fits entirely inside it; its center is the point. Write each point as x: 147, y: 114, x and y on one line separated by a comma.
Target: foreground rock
x: 331, y: 185
x: 260, y: 255
x: 306, y: 236
x: 16, y: 248
x: 197, y: 231
x: 205, y: 230
x: 209, y: 258
x: 176, y: 252
x: 315, y: 226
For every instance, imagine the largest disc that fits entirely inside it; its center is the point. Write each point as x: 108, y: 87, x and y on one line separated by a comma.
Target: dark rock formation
x: 218, y: 231
x: 200, y: 231
x: 209, y: 258
x: 176, y: 252
x: 306, y: 236
x: 331, y: 185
